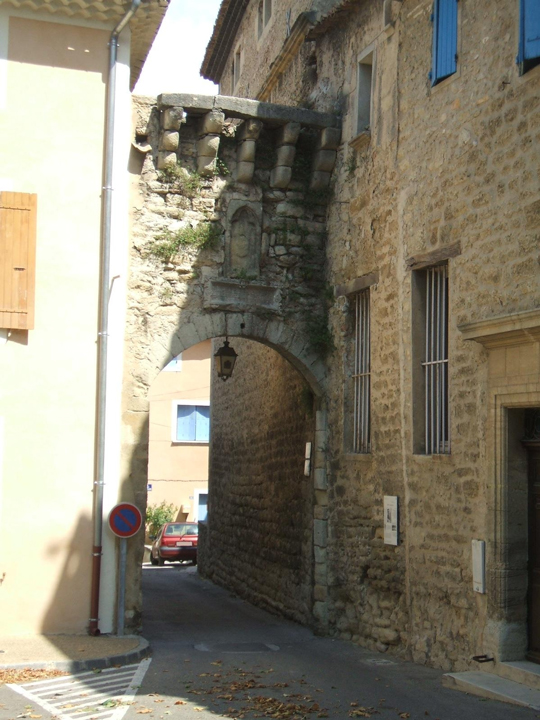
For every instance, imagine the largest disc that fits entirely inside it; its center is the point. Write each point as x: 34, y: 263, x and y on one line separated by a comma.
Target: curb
x: 132, y: 656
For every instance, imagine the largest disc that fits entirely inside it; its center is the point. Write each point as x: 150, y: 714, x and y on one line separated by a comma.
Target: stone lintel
x: 417, y: 262
x: 241, y: 296
x: 505, y: 331
x: 245, y: 109
x: 357, y: 285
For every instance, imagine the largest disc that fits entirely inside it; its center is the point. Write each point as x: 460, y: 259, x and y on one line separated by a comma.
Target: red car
x: 175, y: 541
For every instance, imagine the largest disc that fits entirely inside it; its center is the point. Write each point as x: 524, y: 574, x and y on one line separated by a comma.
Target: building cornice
x: 228, y: 21
x: 505, y: 330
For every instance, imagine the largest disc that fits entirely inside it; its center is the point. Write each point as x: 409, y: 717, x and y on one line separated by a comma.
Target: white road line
x: 40, y: 695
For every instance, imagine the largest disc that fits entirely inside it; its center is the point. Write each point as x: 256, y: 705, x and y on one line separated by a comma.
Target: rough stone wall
x: 457, y: 163
x: 259, y: 541
x: 258, y: 52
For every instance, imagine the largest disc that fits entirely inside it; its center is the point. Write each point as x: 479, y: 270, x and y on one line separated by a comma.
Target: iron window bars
x: 362, y: 374
x: 437, y: 416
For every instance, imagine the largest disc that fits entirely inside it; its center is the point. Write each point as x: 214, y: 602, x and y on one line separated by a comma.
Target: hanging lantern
x: 225, y: 358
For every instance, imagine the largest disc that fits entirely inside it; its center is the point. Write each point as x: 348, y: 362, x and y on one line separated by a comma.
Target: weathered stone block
x: 185, y: 100
x: 206, y: 166
x: 320, y: 593
x: 285, y: 155
x: 172, y: 118
x: 330, y: 138
x: 208, y: 146
x: 320, y: 180
x: 324, y: 161
x: 212, y: 122
x: 320, y: 533
x: 289, y: 210
x: 169, y: 140
x: 280, y: 177
x: 320, y: 555
x: 320, y: 613
x: 249, y: 130
x: 288, y: 134
x: 246, y: 151
x: 165, y: 159
x: 319, y: 479
x: 244, y: 172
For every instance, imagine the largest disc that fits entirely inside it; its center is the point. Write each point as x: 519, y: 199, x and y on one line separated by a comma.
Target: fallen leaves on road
x: 24, y: 675
x: 361, y: 711
x: 143, y: 711
x: 180, y: 702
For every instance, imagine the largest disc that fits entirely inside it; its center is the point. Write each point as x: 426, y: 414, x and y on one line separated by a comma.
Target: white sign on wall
x: 391, y: 520
x: 479, y: 565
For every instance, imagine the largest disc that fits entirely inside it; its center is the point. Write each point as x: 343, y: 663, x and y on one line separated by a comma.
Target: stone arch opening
x: 303, y: 596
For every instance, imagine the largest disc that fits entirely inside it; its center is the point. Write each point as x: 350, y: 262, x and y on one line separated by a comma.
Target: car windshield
x: 181, y: 529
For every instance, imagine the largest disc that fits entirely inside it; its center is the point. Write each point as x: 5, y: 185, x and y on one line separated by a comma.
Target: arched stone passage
x: 144, y: 364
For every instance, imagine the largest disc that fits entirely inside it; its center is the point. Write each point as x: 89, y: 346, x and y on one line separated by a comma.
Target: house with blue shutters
x: 425, y: 538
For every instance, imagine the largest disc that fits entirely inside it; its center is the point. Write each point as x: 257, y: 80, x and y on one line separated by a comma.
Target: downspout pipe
x: 103, y: 331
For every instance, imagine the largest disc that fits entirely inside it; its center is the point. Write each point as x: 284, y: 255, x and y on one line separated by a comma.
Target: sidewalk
x: 73, y: 653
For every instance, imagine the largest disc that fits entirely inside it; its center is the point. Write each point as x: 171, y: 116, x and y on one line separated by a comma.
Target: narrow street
x: 216, y: 656
x: 224, y: 657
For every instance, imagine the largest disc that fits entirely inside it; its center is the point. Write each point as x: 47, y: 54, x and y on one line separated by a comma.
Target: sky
x: 177, y: 53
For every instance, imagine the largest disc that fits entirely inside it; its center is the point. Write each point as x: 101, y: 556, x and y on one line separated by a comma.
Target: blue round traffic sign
x: 125, y: 520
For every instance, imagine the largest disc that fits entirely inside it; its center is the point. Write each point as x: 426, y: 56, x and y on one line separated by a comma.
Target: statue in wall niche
x: 244, y: 244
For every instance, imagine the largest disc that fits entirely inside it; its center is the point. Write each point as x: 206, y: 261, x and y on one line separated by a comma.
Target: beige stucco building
x: 54, y: 85
x: 178, y: 442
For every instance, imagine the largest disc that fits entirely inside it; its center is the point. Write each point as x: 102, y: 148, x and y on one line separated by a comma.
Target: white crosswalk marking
x: 103, y: 695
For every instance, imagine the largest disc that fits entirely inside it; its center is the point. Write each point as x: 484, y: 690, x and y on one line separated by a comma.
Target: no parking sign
x: 125, y: 520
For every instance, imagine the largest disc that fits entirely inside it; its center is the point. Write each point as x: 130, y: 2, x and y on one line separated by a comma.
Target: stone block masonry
x: 260, y: 527
x: 443, y: 174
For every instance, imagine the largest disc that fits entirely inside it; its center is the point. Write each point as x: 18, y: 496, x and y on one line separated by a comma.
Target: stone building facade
x: 434, y: 217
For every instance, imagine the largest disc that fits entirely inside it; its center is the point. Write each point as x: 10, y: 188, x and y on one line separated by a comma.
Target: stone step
x: 521, y: 671
x: 494, y: 687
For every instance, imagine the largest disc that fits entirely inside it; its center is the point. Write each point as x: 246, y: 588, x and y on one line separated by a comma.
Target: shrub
x: 158, y: 515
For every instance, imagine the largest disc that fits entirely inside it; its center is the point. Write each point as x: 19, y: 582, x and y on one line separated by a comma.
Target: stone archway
x: 239, y: 254
x: 147, y: 364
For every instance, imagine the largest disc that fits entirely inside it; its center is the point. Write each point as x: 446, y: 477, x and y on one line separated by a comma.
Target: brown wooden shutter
x: 17, y: 260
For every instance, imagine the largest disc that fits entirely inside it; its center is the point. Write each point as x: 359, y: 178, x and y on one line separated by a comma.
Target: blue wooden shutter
x: 529, y: 30
x: 185, y: 423
x: 445, y: 29
x: 203, y: 423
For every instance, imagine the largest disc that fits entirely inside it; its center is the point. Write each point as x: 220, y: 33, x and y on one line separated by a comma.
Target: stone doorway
x: 531, y: 443
x: 519, y: 589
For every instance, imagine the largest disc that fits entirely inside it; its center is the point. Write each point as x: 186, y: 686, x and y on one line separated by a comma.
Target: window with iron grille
x: 361, y: 441
x: 430, y: 346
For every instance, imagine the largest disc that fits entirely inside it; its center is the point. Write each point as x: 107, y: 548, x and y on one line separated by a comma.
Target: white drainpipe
x: 106, y: 212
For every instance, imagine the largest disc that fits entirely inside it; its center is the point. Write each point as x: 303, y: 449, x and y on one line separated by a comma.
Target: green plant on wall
x: 170, y: 242
x: 158, y: 515
x: 179, y: 178
x: 320, y: 337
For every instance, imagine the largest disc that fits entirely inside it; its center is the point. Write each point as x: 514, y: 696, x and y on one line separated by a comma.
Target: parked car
x: 175, y: 541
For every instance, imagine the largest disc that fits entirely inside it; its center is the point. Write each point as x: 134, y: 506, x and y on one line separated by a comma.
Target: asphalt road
x: 216, y: 656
